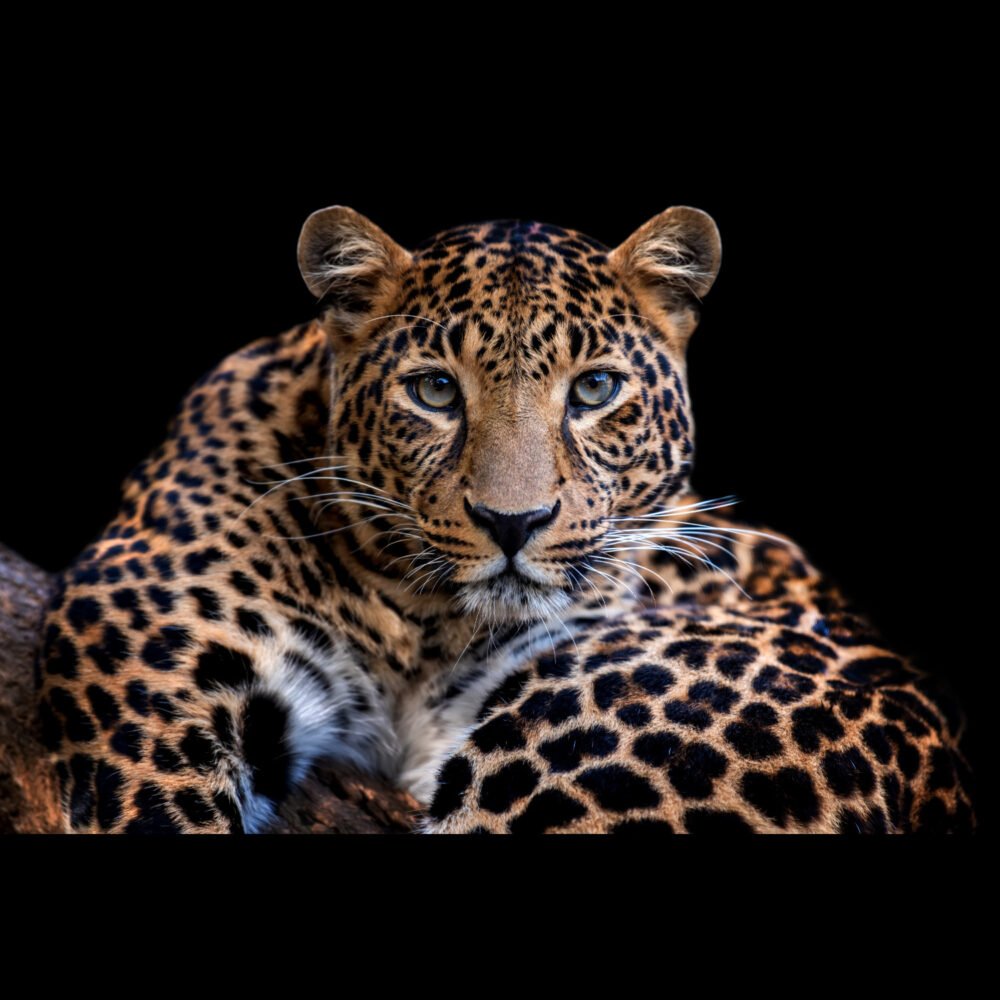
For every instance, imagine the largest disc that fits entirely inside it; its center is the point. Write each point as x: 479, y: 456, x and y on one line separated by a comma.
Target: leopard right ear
x: 351, y: 266
x: 671, y: 261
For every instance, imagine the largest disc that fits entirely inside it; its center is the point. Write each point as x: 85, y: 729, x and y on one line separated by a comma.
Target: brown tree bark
x: 330, y: 801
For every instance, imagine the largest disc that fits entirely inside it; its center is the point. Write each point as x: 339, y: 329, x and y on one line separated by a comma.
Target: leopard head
x: 503, y: 390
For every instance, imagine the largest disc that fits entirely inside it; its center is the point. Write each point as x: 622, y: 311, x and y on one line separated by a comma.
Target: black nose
x: 511, y: 531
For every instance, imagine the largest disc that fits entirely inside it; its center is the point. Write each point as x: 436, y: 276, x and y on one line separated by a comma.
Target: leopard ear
x: 672, y: 261
x: 351, y: 266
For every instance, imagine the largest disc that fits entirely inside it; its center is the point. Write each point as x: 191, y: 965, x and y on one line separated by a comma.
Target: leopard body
x: 513, y: 606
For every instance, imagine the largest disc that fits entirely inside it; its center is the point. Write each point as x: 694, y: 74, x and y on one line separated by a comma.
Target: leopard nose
x: 511, y: 531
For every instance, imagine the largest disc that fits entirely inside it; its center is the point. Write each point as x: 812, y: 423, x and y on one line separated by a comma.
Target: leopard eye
x: 435, y: 390
x: 594, y: 389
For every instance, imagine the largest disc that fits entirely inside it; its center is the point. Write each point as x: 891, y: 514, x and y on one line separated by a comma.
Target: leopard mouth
x: 511, y: 572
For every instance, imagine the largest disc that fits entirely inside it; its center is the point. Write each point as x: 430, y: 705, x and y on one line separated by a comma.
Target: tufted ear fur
x: 672, y: 261
x: 351, y: 266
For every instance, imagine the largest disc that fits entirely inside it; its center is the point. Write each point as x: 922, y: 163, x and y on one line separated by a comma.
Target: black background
x: 830, y: 375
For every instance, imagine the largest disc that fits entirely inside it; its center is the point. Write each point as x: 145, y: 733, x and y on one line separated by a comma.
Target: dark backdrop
x: 828, y: 385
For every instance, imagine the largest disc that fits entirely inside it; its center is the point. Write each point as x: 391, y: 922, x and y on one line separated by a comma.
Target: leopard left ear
x: 351, y: 266
x: 672, y: 261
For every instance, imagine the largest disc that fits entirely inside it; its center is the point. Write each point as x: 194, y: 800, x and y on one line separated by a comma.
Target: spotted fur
x: 303, y: 570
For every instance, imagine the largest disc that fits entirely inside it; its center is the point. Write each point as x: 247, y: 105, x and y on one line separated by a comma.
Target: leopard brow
x: 607, y: 362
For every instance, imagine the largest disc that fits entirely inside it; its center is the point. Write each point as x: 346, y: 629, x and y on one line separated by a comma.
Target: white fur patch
x: 324, y: 719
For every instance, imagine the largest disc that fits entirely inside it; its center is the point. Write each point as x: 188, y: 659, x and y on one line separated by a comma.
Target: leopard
x: 444, y: 533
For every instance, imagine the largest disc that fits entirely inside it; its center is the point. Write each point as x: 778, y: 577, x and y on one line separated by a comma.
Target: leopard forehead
x: 520, y: 287
x: 514, y: 269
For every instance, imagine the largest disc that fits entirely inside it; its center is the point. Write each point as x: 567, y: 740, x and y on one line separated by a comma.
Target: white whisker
x: 615, y: 582
x: 635, y: 568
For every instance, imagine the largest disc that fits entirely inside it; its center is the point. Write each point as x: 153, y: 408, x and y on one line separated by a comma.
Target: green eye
x: 436, y: 390
x: 594, y: 389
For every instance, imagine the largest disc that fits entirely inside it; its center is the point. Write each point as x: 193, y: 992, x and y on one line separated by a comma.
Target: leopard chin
x: 507, y: 598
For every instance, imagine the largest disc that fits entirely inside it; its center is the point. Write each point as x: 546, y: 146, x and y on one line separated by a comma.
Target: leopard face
x: 501, y: 393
